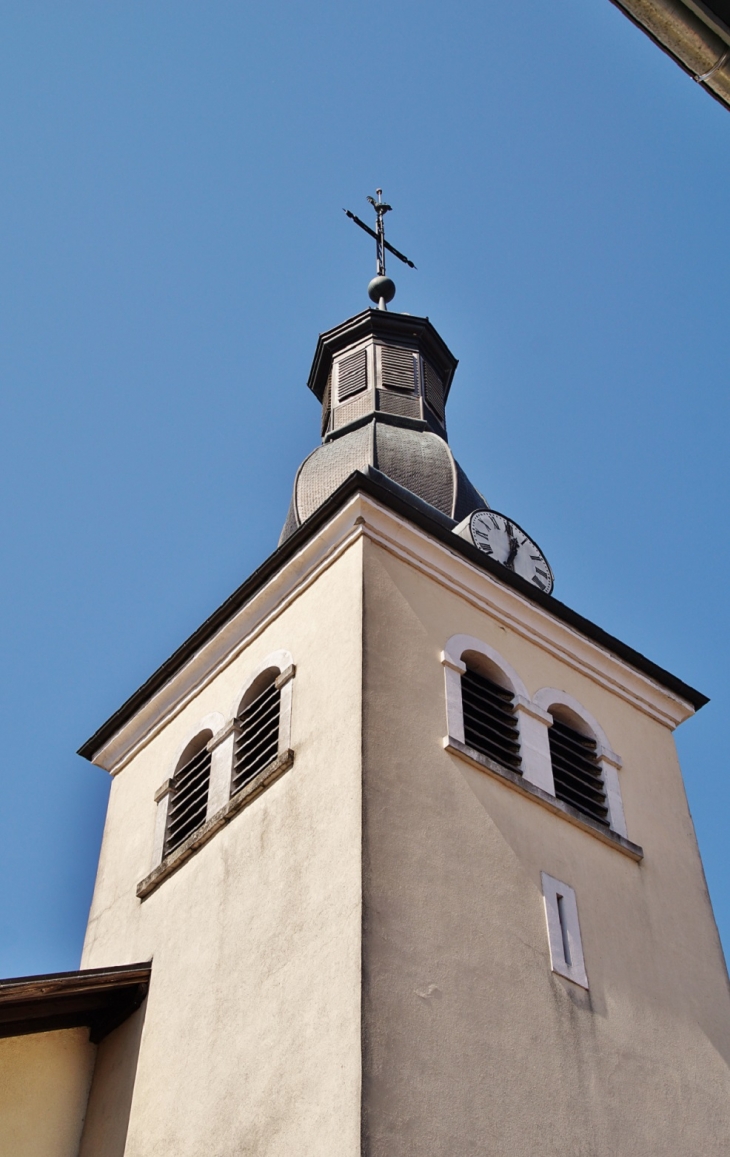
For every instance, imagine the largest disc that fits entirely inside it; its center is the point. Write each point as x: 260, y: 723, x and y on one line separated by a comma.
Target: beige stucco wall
x: 383, y: 869
x: 44, y: 1085
x: 112, y: 1089
x: 251, y: 1036
x: 472, y: 1044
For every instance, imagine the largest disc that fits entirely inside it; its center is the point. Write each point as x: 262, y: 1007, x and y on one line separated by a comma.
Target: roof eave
x: 382, y: 324
x: 692, y: 34
x: 377, y: 488
x: 99, y: 999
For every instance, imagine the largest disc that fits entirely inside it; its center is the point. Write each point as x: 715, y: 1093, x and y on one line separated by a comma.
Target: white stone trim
x: 363, y: 517
x: 212, y: 722
x: 285, y: 683
x: 457, y: 645
x: 453, y: 670
x: 537, y: 766
x: 609, y: 761
x: 614, y: 802
x: 221, y: 747
x: 561, y: 915
x: 280, y: 660
x: 162, y: 799
x: 221, y: 767
x: 202, y: 835
x: 530, y: 791
x: 548, y: 697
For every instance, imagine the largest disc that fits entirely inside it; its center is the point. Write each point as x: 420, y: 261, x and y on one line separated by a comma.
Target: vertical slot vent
x: 189, y: 800
x: 258, y: 742
x: 352, y: 375
x: 397, y: 369
x: 490, y: 722
x: 434, y: 390
x: 577, y: 772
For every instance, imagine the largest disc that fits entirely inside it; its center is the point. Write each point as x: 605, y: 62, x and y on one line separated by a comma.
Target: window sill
x: 557, y: 806
x: 243, y: 797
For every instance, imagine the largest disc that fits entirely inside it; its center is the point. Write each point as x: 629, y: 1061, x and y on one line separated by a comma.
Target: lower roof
x: 427, y: 519
x: 96, y: 998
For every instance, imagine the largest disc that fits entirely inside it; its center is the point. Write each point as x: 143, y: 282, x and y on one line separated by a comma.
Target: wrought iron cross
x: 378, y: 233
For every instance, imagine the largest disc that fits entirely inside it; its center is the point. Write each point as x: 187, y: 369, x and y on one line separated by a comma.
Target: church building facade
x: 398, y: 858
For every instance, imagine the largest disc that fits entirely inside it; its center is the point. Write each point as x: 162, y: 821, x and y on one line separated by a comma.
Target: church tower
x: 403, y: 837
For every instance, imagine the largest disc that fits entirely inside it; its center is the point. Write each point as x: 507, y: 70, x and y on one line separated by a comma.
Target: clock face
x: 506, y: 542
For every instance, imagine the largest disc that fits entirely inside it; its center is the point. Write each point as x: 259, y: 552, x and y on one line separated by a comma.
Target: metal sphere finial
x: 381, y: 289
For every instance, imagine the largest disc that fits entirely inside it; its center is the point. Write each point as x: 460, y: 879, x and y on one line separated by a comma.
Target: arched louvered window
x: 490, y: 721
x: 189, y: 795
x: 257, y: 742
x: 576, y: 770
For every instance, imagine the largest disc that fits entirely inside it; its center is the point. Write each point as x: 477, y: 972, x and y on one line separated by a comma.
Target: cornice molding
x: 513, y: 611
x: 693, y: 34
x: 382, y: 325
x: 365, y: 507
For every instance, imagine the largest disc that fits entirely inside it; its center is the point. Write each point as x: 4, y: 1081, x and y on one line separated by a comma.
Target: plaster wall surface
x: 112, y: 1088
x: 365, y: 944
x: 44, y: 1085
x: 251, y: 1034
x: 471, y: 1044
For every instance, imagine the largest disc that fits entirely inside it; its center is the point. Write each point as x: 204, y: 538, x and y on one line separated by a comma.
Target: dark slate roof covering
x: 418, y: 460
x: 395, y: 498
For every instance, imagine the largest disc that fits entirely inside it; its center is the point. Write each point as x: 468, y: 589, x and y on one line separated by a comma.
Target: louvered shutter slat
x: 352, y: 375
x: 490, y: 723
x: 577, y: 772
x: 434, y: 390
x: 258, y: 741
x: 397, y: 369
x: 189, y: 801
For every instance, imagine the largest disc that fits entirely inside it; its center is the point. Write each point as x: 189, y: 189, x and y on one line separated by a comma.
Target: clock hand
x: 514, y: 546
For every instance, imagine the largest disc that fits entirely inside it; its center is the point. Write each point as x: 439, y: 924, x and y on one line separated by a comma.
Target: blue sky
x: 172, y: 242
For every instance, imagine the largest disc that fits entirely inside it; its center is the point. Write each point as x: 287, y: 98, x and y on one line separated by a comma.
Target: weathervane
x: 381, y: 289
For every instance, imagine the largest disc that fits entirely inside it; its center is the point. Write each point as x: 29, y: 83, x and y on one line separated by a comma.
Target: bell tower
x: 383, y: 380
x: 402, y: 838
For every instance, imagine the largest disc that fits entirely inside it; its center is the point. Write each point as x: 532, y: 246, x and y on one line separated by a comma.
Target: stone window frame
x: 163, y: 796
x: 609, y: 762
x: 222, y: 806
x: 563, y: 929
x: 533, y: 720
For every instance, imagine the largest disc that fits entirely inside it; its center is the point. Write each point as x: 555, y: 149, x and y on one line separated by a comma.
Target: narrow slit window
x: 257, y: 743
x: 189, y: 797
x: 490, y: 720
x: 564, y: 939
x: 562, y: 918
x: 577, y: 772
